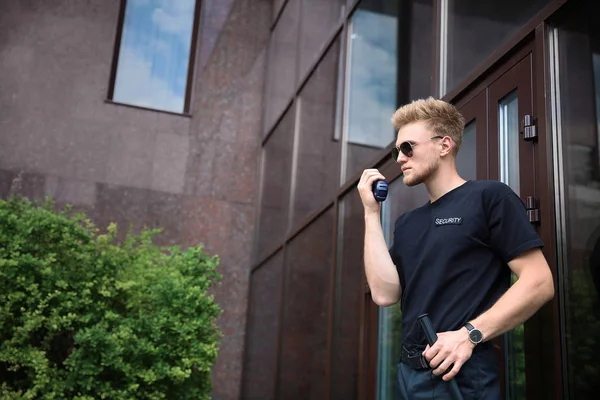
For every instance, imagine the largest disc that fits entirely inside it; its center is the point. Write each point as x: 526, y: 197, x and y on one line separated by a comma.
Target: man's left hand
x: 452, y: 349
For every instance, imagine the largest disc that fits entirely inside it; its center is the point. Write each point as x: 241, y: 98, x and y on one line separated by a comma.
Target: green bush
x: 85, y: 317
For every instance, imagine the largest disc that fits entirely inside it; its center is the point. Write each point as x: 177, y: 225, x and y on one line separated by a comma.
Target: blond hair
x: 439, y: 116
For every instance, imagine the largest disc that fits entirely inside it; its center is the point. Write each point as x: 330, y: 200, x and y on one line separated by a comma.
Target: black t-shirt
x: 452, y: 255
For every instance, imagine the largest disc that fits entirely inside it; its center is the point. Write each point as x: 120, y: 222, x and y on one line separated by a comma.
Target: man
x: 451, y: 258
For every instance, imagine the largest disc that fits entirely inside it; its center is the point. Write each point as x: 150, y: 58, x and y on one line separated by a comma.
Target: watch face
x: 476, y: 336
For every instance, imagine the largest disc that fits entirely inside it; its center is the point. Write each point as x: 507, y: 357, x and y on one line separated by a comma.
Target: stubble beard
x: 415, y: 179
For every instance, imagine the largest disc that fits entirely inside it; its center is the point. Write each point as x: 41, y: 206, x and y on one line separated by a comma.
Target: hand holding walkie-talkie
x: 380, y: 190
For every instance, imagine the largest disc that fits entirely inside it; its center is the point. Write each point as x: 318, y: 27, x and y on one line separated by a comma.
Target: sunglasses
x: 406, y: 148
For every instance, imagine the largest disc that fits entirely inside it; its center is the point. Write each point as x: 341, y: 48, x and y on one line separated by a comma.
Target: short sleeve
x: 393, y: 251
x: 511, y: 233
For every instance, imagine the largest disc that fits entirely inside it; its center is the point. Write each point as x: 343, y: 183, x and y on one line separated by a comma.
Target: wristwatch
x: 475, y: 335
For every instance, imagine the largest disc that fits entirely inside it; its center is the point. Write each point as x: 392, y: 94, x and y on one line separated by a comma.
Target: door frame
x: 542, y: 338
x: 517, y: 78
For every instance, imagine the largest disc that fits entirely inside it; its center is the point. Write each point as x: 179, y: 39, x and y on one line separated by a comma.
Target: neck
x: 443, y: 180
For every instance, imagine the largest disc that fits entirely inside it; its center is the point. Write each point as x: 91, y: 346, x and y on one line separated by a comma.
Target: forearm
x: 380, y: 270
x: 524, y: 298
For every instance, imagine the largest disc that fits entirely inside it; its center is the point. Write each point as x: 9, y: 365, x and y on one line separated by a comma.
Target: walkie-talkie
x: 380, y: 190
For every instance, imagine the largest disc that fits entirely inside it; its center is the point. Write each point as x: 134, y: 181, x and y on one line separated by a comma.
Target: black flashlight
x: 431, y: 339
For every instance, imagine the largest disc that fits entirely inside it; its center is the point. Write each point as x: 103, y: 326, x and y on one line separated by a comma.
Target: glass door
x: 471, y: 159
x: 512, y: 161
x: 500, y: 138
x: 575, y: 93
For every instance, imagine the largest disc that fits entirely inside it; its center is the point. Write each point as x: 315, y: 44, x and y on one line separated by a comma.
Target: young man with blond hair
x: 452, y: 259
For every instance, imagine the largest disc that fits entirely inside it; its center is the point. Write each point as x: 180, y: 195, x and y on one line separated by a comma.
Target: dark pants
x: 477, y: 379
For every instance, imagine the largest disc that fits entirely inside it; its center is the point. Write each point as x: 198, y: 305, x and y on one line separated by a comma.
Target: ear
x: 447, y: 146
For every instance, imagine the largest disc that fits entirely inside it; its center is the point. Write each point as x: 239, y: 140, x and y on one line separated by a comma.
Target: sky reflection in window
x: 154, y: 55
x: 373, y: 78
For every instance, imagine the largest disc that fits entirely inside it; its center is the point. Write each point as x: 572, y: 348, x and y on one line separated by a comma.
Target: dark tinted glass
x: 466, y: 159
x: 277, y: 170
x: 303, y: 359
x: 579, y: 77
x: 319, y: 151
x: 282, y: 71
x: 263, y: 329
x: 476, y: 28
x: 349, y: 294
x: 319, y: 18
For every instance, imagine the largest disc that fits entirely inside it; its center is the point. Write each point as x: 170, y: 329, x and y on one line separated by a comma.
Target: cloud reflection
x: 373, y: 78
x: 154, y: 55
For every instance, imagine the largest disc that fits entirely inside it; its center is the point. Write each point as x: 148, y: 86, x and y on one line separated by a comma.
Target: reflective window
x: 154, y: 54
x: 371, y: 82
x: 475, y: 29
x: 466, y: 158
x: 578, y: 73
x: 400, y: 200
x: 319, y: 18
x: 275, y: 196
x: 263, y: 330
x: 418, y: 70
x: 348, y: 298
x: 508, y: 136
x: 389, y: 63
x: 282, y: 71
x: 304, y: 349
x: 319, y: 150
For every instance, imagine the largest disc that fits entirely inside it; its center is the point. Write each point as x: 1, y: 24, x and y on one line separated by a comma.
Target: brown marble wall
x: 196, y: 177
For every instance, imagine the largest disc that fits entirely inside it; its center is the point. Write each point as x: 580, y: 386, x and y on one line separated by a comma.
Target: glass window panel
x: 372, y: 81
x: 400, y: 200
x: 263, y: 330
x: 277, y: 170
x: 319, y: 17
x: 319, y: 150
x: 348, y: 298
x: 306, y: 312
x: 421, y: 43
x: 389, y: 62
x: 508, y: 133
x: 466, y: 159
x: 152, y: 68
x: 281, y: 75
x: 475, y: 29
x: 579, y: 80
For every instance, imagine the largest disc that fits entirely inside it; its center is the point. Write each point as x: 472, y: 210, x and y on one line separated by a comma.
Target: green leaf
x: 84, y: 316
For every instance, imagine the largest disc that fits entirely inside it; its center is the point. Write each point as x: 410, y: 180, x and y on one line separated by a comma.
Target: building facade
x: 244, y: 125
x: 145, y: 113
x: 525, y: 75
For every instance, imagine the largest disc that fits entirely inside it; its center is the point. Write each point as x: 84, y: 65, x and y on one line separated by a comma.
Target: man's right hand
x: 365, y: 188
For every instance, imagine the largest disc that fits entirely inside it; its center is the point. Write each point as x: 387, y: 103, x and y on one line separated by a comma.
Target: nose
x: 401, y: 158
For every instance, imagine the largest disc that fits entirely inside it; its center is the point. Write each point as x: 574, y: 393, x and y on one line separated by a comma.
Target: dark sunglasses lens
x: 395, y: 154
x: 406, y: 149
